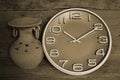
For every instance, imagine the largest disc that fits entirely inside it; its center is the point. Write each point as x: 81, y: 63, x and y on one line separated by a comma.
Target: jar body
x: 26, y: 51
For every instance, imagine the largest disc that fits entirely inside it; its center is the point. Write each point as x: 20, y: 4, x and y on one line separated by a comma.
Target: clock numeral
x: 77, y: 67
x: 103, y: 39
x: 61, y: 20
x: 92, y: 62
x: 75, y: 15
x: 50, y: 40
x: 89, y: 17
x: 100, y: 52
x: 54, y: 53
x: 98, y: 26
x: 63, y: 62
x: 55, y: 29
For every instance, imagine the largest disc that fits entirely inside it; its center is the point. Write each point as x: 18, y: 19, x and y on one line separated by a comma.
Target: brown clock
x: 77, y: 41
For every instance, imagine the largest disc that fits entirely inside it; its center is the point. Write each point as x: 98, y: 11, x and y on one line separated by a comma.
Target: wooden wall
x: 109, y: 10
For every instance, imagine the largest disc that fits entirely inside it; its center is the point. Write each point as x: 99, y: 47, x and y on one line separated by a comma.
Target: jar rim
x: 25, y: 22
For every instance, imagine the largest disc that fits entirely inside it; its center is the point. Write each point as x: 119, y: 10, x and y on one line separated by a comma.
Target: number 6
x: 77, y: 67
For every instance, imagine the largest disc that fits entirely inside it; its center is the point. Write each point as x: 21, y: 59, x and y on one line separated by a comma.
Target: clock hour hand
x: 89, y: 32
x: 74, y: 39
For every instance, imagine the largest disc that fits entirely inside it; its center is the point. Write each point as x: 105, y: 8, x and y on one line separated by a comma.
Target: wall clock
x: 77, y: 41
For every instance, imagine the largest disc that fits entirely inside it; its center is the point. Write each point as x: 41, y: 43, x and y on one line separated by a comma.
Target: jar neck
x: 25, y: 34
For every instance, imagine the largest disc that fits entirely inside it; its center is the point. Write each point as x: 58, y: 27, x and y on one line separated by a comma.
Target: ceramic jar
x: 26, y: 51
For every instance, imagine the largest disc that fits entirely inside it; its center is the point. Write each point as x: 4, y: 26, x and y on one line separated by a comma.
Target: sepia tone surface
x: 109, y: 10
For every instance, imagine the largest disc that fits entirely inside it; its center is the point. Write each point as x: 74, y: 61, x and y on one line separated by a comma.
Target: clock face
x: 77, y: 41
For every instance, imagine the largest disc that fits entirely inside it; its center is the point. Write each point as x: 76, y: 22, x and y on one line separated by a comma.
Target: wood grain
x: 109, y: 10
x: 57, y: 4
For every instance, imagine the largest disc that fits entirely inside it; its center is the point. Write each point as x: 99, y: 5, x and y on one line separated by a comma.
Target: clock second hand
x: 84, y: 35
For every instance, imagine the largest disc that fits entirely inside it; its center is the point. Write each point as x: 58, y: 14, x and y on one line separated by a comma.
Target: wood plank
x: 18, y: 5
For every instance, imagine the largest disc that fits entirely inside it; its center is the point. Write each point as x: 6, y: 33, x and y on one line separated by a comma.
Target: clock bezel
x: 82, y: 72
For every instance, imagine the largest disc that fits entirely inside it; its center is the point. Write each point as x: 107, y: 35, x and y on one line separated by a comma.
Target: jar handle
x: 15, y: 32
x: 36, y: 29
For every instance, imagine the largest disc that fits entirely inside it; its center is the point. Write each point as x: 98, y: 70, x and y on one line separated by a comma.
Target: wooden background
x: 109, y: 10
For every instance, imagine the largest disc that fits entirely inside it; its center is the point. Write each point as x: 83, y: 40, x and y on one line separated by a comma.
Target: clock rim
x: 83, y: 72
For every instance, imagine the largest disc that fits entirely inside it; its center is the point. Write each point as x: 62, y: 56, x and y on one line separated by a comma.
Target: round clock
x: 77, y: 41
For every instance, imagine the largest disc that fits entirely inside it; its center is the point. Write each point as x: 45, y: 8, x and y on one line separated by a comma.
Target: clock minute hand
x: 69, y: 35
x: 86, y: 34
